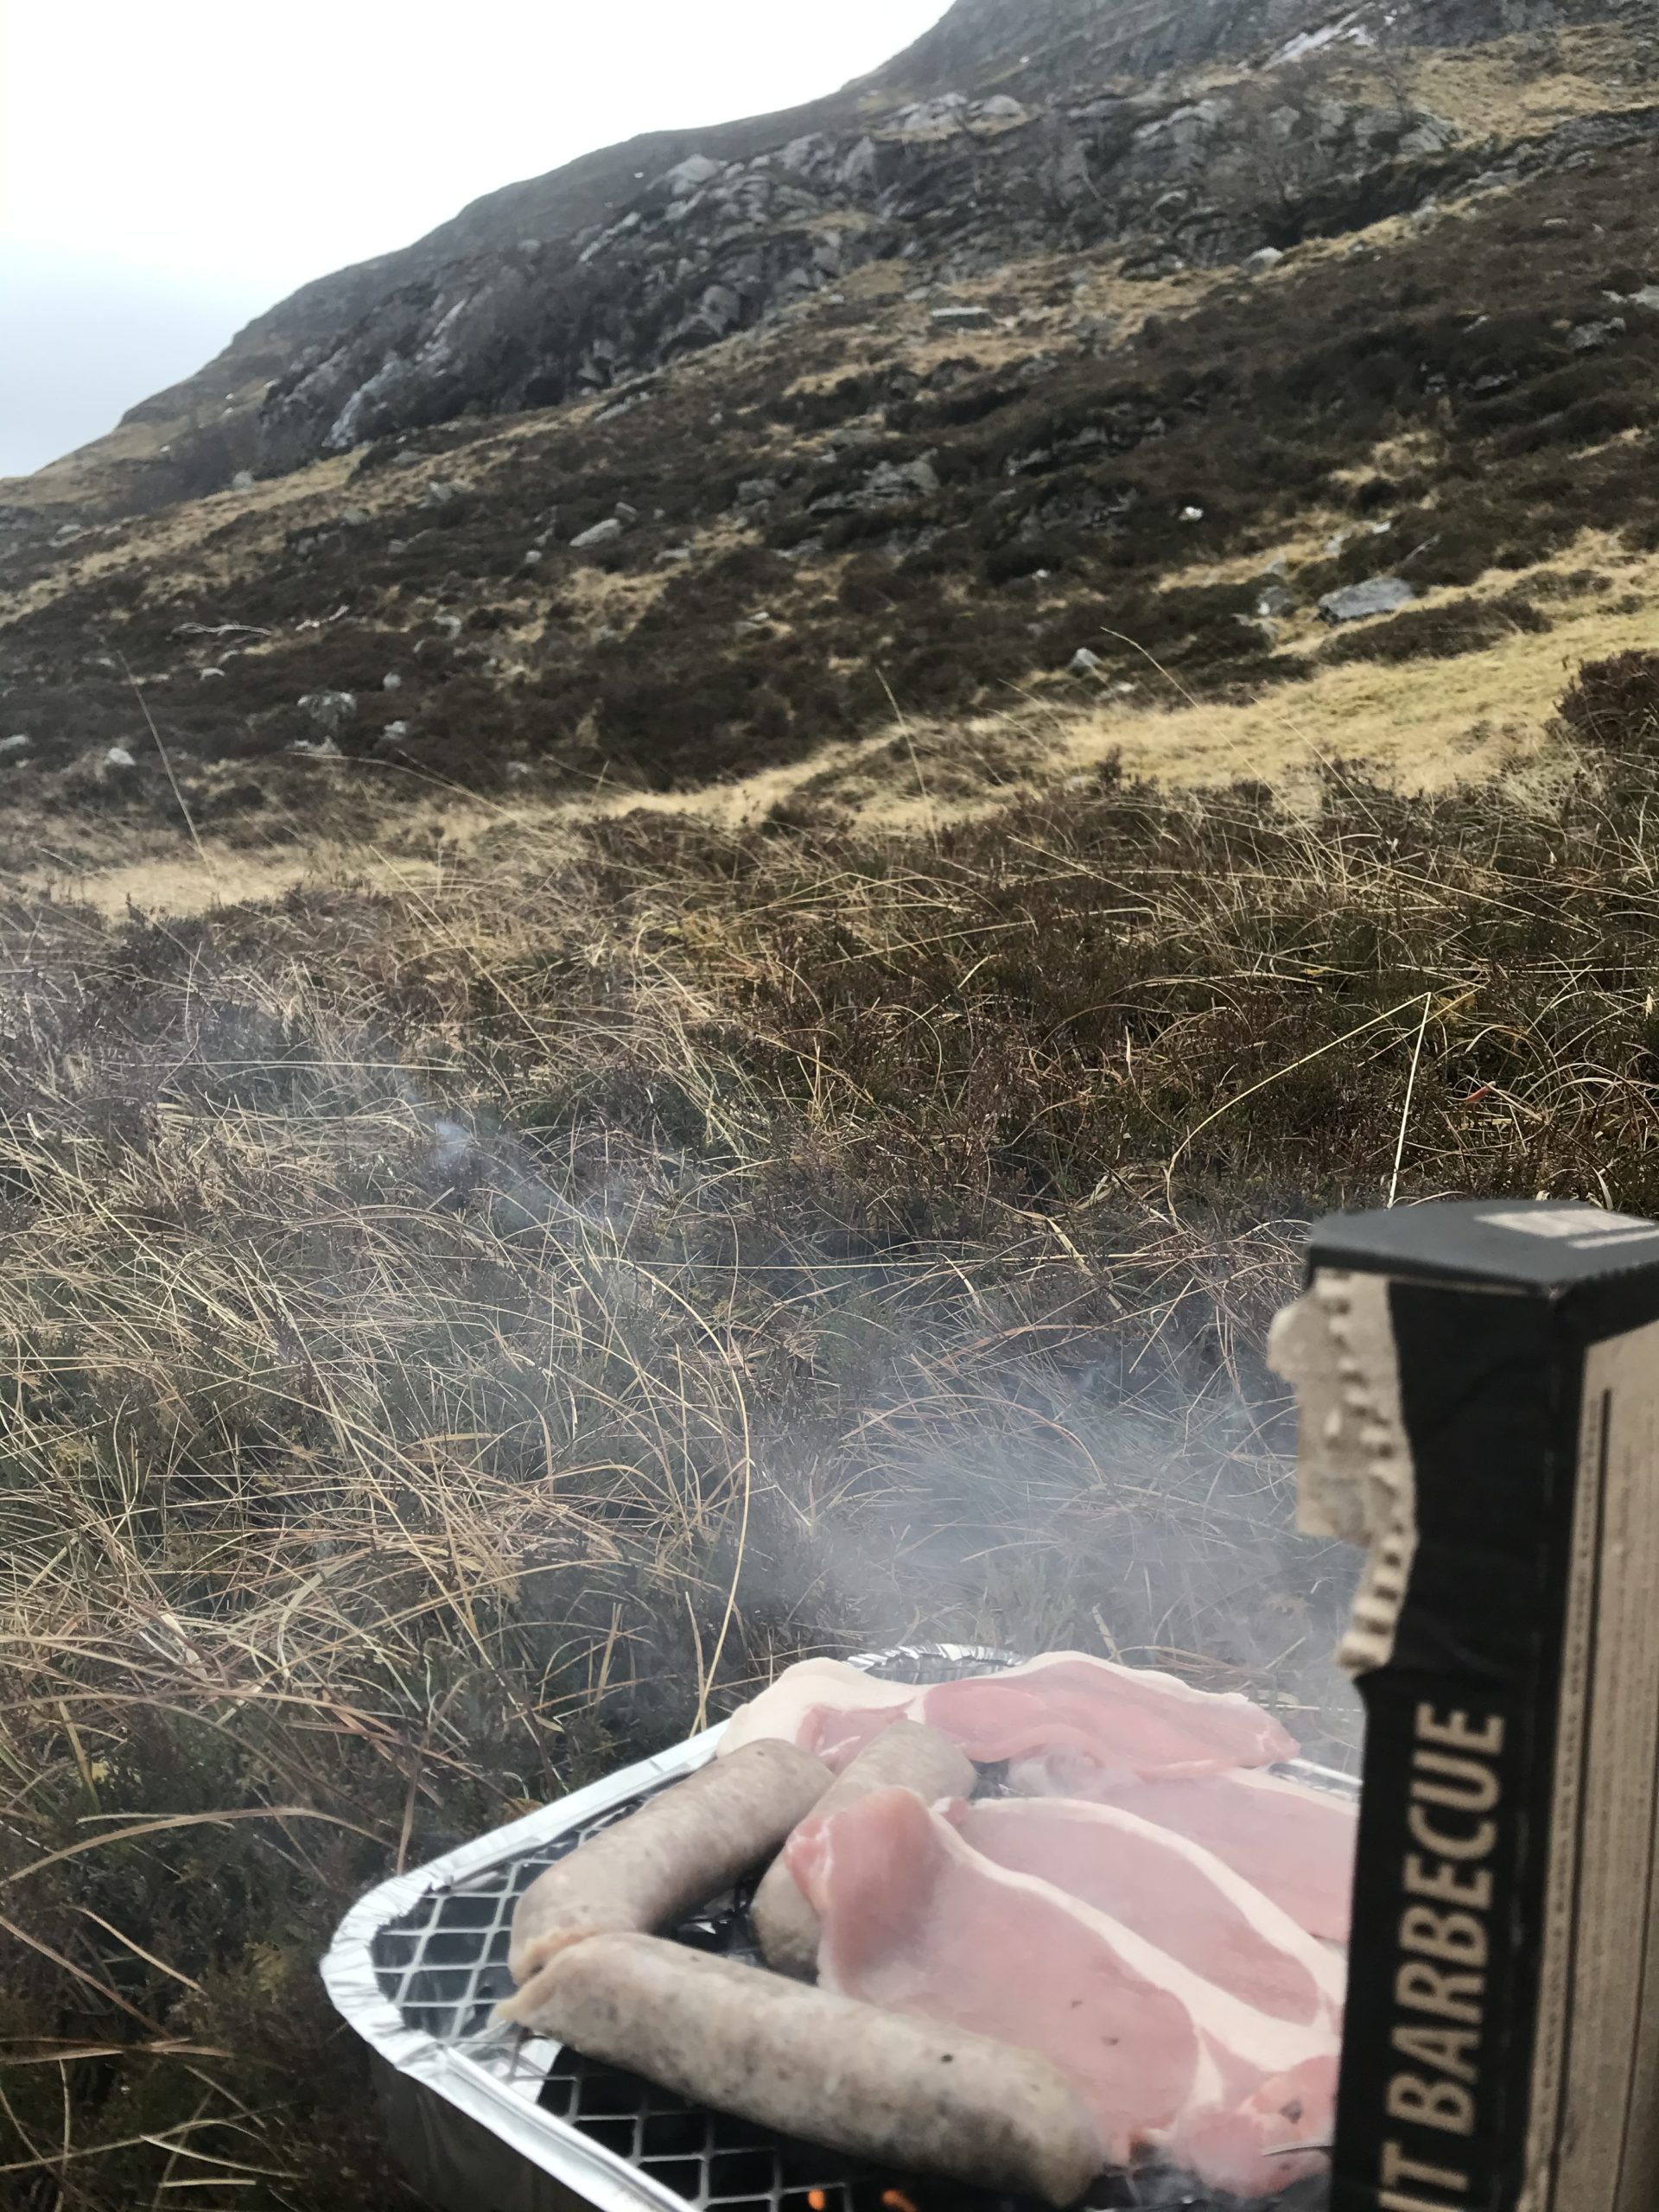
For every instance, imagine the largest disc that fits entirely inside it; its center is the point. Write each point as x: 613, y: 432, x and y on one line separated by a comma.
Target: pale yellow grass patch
x: 1494, y: 90
x: 1427, y: 724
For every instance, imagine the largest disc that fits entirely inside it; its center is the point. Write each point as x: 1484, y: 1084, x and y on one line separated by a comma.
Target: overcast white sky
x: 169, y: 168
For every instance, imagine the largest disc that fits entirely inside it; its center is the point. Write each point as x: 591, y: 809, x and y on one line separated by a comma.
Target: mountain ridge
x: 1048, y: 56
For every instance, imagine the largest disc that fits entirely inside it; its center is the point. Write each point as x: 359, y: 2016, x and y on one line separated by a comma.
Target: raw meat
x: 905, y: 1757
x: 803, y: 1695
x: 1174, y: 1892
x: 1294, y: 1844
x: 916, y: 1920
x: 881, y: 2085
x: 677, y: 1850
x: 1081, y: 1718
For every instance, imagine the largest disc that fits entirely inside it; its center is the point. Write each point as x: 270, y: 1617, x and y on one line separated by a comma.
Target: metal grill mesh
x: 444, y: 1966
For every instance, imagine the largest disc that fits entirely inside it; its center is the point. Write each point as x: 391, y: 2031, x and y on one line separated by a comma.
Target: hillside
x: 1202, y: 315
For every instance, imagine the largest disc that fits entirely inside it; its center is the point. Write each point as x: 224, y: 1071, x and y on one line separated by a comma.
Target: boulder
x: 1264, y: 257
x: 691, y: 175
x: 602, y: 533
x: 722, y: 308
x: 1001, y: 108
x: 891, y: 483
x: 861, y: 167
x: 330, y: 710
x: 1377, y: 595
x: 806, y: 153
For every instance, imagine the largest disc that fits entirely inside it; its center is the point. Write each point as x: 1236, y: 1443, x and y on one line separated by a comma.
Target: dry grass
x: 461, y: 1328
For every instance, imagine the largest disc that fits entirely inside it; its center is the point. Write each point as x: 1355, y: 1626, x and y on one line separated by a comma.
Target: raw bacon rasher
x: 1294, y: 1844
x: 1064, y: 1717
x: 1173, y: 1892
x: 916, y: 1920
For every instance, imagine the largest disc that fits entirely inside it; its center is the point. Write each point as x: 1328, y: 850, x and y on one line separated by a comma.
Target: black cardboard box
x: 1479, y: 1392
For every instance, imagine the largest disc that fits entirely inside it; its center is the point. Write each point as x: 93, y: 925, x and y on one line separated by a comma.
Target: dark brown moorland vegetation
x: 453, y: 1341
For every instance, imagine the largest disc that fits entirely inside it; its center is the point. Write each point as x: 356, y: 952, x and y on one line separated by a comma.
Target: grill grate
x: 442, y: 1965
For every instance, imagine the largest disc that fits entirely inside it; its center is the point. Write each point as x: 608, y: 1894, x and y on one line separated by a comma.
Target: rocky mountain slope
x: 1087, y: 331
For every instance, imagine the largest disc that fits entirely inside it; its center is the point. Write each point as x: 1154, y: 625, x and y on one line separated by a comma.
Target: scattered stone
x: 602, y: 533
x: 1082, y: 662
x: 946, y: 319
x: 18, y: 744
x: 626, y: 512
x: 354, y: 518
x: 324, y: 748
x: 67, y: 534
x: 1647, y: 297
x: 330, y: 710
x: 1264, y: 257
x: 449, y: 625
x: 518, y: 770
x: 1377, y: 595
x: 1001, y: 108
x: 205, y: 675
x: 672, y: 553
x: 243, y: 480
x: 756, y: 490
x: 392, y: 681
x: 396, y: 546
x: 119, y: 757
x: 890, y: 482
x: 1192, y: 514
x: 440, y: 492
x: 533, y: 559
x: 1590, y: 337
x: 1276, y: 600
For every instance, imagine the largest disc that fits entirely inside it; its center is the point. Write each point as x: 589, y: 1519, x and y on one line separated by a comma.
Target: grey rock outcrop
x: 1356, y: 603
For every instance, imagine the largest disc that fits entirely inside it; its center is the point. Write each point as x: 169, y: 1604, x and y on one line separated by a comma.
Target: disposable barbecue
x: 434, y: 1951
x: 1127, y: 1933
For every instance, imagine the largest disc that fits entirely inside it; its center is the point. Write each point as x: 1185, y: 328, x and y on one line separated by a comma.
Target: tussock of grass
x: 453, y: 1337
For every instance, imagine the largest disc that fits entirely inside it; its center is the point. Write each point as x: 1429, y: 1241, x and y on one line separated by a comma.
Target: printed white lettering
x: 1448, y: 2050
x: 1431, y: 2104
x: 1481, y: 1844
x: 1458, y: 1936
x: 1450, y: 1884
x: 1456, y: 1729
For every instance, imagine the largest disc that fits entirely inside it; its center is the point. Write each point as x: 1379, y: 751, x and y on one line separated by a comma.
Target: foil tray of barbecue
x: 490, y: 2118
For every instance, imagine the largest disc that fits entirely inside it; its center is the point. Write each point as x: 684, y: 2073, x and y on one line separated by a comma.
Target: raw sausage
x: 908, y: 1754
x: 884, y: 2086
x: 677, y: 1851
